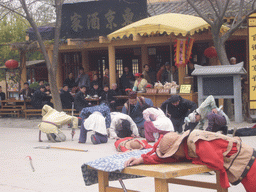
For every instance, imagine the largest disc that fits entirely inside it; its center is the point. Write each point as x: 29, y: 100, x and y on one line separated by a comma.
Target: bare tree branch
x: 199, y: 13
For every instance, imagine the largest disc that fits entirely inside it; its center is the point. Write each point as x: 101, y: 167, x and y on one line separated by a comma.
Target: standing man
x: 83, y: 79
x: 170, y: 74
x: 177, y: 108
x: 106, y: 78
x: 127, y: 79
x: 66, y: 98
x: 148, y: 74
x: 80, y: 101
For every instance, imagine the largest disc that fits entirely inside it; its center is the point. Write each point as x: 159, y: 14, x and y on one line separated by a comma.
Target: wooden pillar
x: 144, y: 55
x: 23, y: 72
x: 112, y: 64
x: 182, y: 74
x: 85, y: 61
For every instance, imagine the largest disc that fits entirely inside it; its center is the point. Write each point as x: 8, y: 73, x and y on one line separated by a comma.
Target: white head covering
x: 192, y: 116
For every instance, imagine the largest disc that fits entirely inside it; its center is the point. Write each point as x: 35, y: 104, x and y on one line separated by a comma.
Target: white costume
x: 53, y: 119
x: 116, y: 120
x: 159, y: 120
x: 96, y: 122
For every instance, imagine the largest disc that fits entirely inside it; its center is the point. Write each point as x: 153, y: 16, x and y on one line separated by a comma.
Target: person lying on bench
x: 234, y: 159
x: 52, y: 121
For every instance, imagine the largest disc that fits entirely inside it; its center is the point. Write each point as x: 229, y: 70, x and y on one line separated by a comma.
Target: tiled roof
x: 219, y: 70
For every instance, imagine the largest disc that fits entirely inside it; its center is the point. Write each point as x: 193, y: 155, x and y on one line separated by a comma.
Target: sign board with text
x: 100, y: 18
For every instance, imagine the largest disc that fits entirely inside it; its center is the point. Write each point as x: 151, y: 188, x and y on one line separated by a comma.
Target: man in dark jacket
x: 26, y: 92
x: 66, y: 98
x: 170, y: 74
x: 177, y: 108
x: 127, y: 79
x: 2, y: 95
x: 107, y: 96
x: 95, y: 90
x: 39, y: 98
x: 80, y: 101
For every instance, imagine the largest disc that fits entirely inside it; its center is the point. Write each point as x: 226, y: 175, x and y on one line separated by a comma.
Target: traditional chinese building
x: 87, y: 24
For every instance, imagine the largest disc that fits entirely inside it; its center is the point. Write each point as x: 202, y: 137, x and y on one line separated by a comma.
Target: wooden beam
x: 103, y: 39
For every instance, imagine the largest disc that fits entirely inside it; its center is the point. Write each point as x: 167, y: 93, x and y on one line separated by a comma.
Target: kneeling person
x: 52, y: 121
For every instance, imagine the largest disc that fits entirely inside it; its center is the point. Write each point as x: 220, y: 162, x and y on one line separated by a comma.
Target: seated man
x: 97, y: 119
x: 52, y: 121
x: 80, y: 101
x: 66, y: 98
x: 122, y: 126
x: 134, y: 108
x: 27, y: 92
x: 235, y: 160
x: 107, y: 97
x: 177, y: 108
x: 95, y: 90
x: 217, y: 119
x: 140, y: 83
x: 38, y: 99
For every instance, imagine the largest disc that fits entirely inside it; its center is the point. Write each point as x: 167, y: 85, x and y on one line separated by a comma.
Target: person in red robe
x: 234, y: 159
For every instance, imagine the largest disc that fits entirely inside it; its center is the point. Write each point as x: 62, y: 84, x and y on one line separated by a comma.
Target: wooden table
x: 164, y: 174
x: 158, y: 98
x: 93, y: 100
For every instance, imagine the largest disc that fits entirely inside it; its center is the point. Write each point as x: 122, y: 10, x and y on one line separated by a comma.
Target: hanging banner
x: 252, y: 59
x: 190, y: 42
x: 180, y: 52
x: 100, y: 18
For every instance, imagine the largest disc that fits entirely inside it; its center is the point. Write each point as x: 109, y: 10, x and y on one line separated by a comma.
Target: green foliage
x: 34, y: 85
x: 2, y: 74
x: 12, y: 29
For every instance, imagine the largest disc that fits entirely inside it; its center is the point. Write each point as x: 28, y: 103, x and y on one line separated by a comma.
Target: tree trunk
x: 54, y: 90
x: 221, y: 50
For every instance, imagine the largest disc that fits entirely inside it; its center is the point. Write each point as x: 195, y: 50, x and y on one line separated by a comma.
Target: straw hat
x: 170, y: 143
x: 134, y: 144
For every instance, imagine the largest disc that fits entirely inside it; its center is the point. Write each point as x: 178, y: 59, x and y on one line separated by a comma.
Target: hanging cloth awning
x: 165, y: 23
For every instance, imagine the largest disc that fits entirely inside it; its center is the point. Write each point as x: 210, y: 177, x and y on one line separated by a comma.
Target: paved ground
x: 60, y: 170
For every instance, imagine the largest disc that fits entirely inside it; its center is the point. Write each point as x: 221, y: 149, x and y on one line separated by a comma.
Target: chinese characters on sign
x: 75, y: 19
x: 252, y: 60
x: 100, y: 18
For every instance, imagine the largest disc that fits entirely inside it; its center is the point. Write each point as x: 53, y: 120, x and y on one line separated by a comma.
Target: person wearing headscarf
x: 97, y: 119
x: 156, y: 123
x: 140, y: 83
x: 177, y: 108
x: 229, y: 155
x: 134, y: 108
x: 217, y: 119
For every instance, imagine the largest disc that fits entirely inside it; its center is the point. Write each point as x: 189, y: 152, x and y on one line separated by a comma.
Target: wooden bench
x: 10, y: 111
x: 164, y: 174
x: 69, y: 112
x: 32, y: 112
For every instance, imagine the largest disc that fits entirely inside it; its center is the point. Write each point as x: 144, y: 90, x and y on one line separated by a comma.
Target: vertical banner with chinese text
x: 252, y: 59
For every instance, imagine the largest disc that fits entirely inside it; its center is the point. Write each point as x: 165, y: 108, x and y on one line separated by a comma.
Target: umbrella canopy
x: 165, y: 23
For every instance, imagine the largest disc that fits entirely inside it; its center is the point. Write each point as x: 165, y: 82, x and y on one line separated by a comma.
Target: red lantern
x: 210, y: 52
x: 11, y: 64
